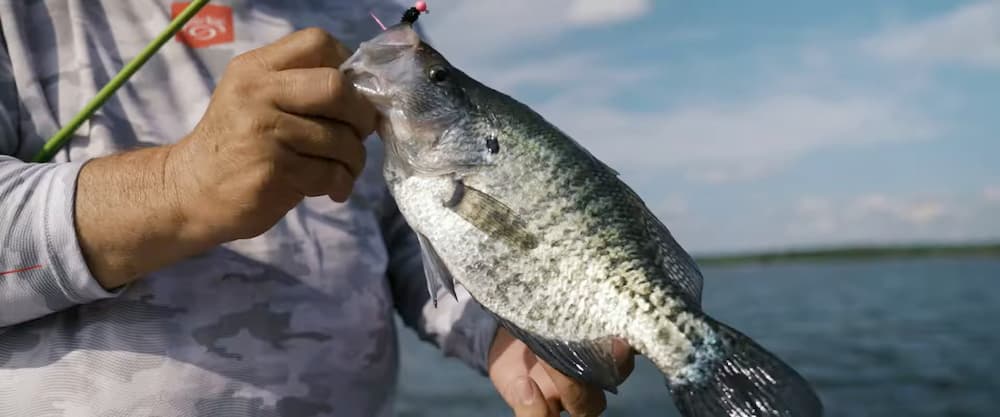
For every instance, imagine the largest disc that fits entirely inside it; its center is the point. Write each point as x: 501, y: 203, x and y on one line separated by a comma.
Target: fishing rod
x: 59, y: 140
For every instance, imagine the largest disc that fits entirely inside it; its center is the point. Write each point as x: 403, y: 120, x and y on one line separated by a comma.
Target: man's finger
x: 307, y: 48
x: 579, y: 399
x: 512, y: 372
x: 624, y: 357
x: 323, y: 92
x: 313, y: 177
x: 525, y: 398
x: 322, y: 138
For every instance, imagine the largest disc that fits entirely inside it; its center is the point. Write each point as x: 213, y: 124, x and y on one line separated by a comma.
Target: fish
x: 550, y: 240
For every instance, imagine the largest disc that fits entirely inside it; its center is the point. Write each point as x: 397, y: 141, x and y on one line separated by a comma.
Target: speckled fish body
x: 550, y: 240
x: 593, y: 264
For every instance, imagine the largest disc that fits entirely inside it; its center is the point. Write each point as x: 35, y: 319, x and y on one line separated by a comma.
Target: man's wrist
x: 129, y: 217
x: 193, y: 230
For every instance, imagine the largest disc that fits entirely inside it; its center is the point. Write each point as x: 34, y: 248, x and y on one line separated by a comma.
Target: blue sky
x: 763, y: 125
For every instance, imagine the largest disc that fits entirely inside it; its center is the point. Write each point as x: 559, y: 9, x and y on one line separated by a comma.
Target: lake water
x: 876, y: 338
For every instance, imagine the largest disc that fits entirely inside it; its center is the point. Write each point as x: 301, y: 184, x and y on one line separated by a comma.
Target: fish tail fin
x: 746, y: 381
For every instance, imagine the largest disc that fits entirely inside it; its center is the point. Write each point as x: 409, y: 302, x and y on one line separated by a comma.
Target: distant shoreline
x: 852, y: 253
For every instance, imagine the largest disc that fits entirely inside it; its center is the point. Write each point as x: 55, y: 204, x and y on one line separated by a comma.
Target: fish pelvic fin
x: 587, y: 361
x: 435, y: 271
x: 747, y: 381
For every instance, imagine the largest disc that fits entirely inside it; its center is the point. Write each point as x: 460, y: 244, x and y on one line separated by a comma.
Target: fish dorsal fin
x: 491, y: 216
x: 435, y: 270
x: 680, y: 267
x: 589, y: 361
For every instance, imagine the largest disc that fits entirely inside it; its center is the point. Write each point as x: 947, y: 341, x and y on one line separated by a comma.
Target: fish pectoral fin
x: 491, y: 216
x: 435, y: 270
x: 589, y: 361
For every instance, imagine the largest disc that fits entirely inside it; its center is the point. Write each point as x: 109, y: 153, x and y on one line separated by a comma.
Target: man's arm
x: 41, y: 268
x: 281, y: 125
x: 128, y: 218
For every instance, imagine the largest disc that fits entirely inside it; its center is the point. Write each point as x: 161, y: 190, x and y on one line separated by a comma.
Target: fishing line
x: 380, y: 24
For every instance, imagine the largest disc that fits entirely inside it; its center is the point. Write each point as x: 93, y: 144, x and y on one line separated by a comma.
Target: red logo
x: 211, y: 26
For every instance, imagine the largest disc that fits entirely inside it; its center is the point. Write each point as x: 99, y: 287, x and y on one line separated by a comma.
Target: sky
x: 751, y: 126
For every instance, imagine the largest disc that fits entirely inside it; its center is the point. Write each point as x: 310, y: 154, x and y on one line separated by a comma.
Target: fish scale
x: 550, y: 240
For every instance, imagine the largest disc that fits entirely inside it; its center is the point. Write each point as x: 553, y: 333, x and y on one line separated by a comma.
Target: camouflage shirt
x: 296, y: 322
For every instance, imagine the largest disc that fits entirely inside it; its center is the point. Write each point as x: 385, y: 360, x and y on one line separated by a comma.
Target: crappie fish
x: 550, y: 240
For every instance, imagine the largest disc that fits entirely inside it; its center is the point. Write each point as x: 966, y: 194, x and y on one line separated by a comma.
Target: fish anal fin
x: 588, y: 361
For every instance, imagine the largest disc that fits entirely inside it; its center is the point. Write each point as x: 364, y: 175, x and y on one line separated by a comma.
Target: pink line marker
x: 20, y: 270
x: 376, y: 20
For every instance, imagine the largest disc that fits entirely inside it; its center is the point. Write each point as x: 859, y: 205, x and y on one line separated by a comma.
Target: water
x: 886, y: 338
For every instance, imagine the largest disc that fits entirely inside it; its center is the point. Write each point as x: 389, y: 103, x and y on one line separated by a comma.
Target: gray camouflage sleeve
x: 42, y: 269
x: 462, y: 328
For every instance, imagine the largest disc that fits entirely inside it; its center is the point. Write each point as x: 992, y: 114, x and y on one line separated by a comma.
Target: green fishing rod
x: 59, y: 140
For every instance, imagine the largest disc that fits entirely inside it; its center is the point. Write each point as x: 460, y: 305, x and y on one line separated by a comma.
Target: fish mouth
x: 376, y: 63
x: 366, y: 83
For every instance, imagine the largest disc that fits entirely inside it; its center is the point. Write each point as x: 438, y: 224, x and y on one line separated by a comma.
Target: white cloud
x: 992, y: 194
x: 590, y: 12
x: 968, y: 35
x: 473, y: 31
x: 573, y: 73
x: 863, y: 219
x: 815, y: 214
x: 914, y: 212
x: 925, y: 212
x: 880, y: 218
x: 721, y: 174
x: 671, y: 208
x: 735, y: 140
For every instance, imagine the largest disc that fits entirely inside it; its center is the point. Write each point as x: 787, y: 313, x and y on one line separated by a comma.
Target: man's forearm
x: 128, y: 219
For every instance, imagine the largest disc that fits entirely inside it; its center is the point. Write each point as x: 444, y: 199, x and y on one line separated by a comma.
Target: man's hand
x: 532, y: 388
x: 282, y: 125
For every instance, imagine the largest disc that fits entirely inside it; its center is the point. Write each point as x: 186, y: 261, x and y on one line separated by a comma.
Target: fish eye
x: 438, y: 74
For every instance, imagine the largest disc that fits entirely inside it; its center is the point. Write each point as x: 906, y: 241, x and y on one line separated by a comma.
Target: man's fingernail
x: 342, y: 175
x: 619, y: 348
x: 525, y: 392
x: 343, y: 185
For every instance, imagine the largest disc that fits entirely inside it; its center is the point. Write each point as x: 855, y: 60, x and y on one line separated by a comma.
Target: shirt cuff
x: 63, y: 254
x: 467, y: 328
